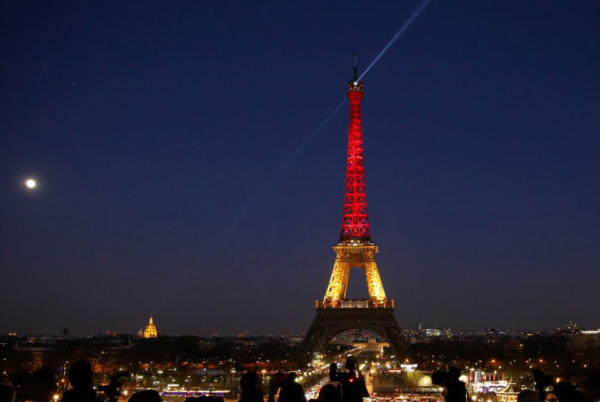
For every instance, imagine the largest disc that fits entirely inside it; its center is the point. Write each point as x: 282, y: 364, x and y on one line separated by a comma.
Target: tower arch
x: 322, y: 334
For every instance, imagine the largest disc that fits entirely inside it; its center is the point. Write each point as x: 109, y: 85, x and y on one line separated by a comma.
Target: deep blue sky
x: 152, y: 125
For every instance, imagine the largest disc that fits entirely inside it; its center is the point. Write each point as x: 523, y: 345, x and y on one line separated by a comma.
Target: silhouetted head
x: 291, y: 377
x: 146, y: 396
x: 250, y: 382
x: 440, y: 378
x: 565, y: 391
x: 528, y: 396
x: 80, y: 375
x: 454, y: 372
x: 328, y: 394
x: 277, y: 380
x: 7, y: 394
x: 541, y: 379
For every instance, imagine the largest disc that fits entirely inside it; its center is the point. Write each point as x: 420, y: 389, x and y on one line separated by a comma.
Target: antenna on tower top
x: 355, y: 78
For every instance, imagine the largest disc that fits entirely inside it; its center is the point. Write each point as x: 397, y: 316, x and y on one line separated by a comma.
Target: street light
x: 233, y: 383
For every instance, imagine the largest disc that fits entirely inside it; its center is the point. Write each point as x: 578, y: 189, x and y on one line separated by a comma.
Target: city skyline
x: 152, y: 131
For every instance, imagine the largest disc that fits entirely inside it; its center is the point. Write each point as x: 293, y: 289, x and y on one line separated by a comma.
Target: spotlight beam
x: 404, y: 27
x: 288, y: 162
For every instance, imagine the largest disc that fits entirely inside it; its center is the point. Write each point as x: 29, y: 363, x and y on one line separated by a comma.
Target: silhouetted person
x: 329, y: 393
x: 334, y: 380
x: 334, y: 376
x: 528, y: 395
x: 353, y: 384
x: 456, y: 389
x: 251, y: 387
x: 146, y: 396
x: 566, y: 392
x: 291, y: 391
x: 80, y: 377
x: 275, y: 384
x: 542, y: 381
x: 7, y: 394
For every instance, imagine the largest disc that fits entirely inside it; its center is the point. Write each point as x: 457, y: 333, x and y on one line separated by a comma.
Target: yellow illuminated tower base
x: 354, y: 255
x: 336, y: 314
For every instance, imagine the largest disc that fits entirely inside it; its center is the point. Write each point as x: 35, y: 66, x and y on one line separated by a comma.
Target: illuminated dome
x: 508, y: 394
x: 150, y: 331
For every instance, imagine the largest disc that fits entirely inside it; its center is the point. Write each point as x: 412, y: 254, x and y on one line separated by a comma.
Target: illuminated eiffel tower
x: 355, y: 249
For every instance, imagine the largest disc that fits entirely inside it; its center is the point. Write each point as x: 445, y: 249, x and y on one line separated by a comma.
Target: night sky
x: 157, y: 130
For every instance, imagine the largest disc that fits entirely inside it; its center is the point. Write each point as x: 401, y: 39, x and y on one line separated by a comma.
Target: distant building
x: 585, y: 339
x: 433, y: 332
x: 487, y: 381
x: 371, y: 345
x: 569, y: 328
x: 508, y: 394
x: 150, y: 331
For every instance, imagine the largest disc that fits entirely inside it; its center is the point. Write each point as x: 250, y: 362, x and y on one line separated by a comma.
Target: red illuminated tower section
x: 355, y: 222
x: 336, y: 313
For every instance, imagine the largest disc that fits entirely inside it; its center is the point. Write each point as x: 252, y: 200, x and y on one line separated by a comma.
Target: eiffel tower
x: 336, y: 314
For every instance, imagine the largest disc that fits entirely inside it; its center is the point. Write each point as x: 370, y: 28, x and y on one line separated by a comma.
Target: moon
x: 30, y: 183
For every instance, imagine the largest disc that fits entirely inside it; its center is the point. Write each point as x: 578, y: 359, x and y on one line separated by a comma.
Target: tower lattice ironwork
x: 355, y: 249
x: 355, y: 220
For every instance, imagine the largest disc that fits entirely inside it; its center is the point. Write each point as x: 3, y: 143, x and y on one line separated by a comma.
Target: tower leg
x: 376, y: 292
x: 398, y: 342
x: 338, y: 284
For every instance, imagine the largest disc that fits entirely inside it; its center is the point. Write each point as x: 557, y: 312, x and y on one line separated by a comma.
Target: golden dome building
x: 508, y: 394
x: 150, y: 331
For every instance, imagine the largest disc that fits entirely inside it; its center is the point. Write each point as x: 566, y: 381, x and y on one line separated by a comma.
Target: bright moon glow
x: 30, y: 183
